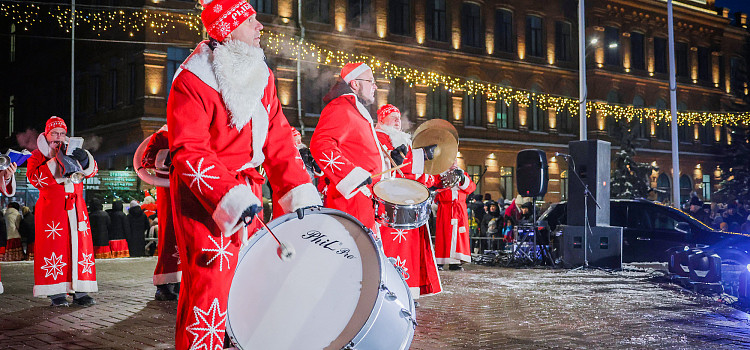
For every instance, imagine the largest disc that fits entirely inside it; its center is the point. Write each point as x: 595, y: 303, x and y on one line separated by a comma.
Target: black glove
x: 366, y: 182
x: 81, y: 156
x: 397, y: 157
x: 249, y: 214
x: 460, y: 173
x: 429, y: 152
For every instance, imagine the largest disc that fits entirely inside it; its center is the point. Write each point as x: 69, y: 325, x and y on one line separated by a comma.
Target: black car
x: 650, y: 229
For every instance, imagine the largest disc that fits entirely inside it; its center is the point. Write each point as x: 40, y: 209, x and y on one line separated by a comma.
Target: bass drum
x: 338, y: 292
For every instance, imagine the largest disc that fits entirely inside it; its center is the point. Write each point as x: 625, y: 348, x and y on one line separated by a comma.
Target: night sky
x: 735, y: 5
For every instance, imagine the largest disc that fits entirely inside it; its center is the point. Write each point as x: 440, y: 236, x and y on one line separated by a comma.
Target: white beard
x: 398, y: 138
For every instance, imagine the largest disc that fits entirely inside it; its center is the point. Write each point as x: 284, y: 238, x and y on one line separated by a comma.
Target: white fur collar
x: 43, y: 146
x: 398, y: 137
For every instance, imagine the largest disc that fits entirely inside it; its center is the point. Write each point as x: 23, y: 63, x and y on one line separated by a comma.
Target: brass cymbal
x: 437, y: 124
x: 445, y: 153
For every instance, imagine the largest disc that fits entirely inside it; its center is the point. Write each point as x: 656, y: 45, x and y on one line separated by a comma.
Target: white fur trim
x: 414, y: 292
x: 366, y: 114
x: 164, y: 278
x: 465, y: 182
x: 43, y: 290
x: 398, y: 137
x: 91, y: 167
x: 86, y: 286
x: 417, y: 161
x: 1, y: 288
x: 230, y: 208
x: 43, y: 146
x: 55, y: 170
x: 305, y: 195
x: 200, y: 63
x: 443, y: 261
x: 348, y: 185
x: 356, y: 72
x: 12, y: 192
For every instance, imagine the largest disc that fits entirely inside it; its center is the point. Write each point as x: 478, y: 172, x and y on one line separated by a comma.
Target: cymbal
x: 437, y: 124
x: 445, y: 153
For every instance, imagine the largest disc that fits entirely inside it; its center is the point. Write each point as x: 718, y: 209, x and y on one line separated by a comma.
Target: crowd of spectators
x: 729, y: 216
x: 492, y: 221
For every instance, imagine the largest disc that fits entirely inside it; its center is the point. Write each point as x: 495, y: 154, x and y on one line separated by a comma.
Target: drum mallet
x: 393, y: 162
x: 286, y: 251
x: 389, y: 170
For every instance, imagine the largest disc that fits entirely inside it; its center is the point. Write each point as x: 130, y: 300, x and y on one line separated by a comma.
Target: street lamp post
x: 673, y: 108
x: 72, y: 67
x: 582, y: 69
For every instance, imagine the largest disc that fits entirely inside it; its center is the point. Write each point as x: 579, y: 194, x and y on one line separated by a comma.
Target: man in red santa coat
x: 167, y: 274
x: 63, y: 247
x: 224, y: 121
x: 8, y: 188
x: 452, y: 245
x: 412, y: 249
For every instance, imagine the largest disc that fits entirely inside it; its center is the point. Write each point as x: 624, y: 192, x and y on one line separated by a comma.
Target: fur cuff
x: 9, y: 190
x: 348, y: 185
x: 417, y: 161
x: 230, y: 208
x: 466, y: 182
x: 92, y: 168
x: 302, y: 196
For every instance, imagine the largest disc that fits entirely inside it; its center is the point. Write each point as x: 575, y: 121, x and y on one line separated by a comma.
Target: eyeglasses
x: 367, y: 80
x: 55, y: 133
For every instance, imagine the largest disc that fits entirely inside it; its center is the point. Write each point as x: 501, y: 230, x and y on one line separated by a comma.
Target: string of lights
x: 104, y: 19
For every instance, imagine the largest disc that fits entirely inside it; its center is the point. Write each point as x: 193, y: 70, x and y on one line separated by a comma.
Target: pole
x: 72, y: 68
x: 582, y: 69
x: 673, y: 107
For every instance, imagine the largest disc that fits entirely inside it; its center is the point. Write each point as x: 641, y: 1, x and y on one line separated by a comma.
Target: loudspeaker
x: 531, y: 173
x: 605, y: 246
x: 592, y: 164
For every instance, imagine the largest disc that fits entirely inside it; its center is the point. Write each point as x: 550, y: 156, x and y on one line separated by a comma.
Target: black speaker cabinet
x: 592, y: 160
x: 531, y: 173
x: 605, y: 246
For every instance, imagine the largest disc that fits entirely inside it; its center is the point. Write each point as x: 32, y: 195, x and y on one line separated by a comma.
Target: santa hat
x: 295, y: 133
x: 55, y: 122
x: 352, y: 70
x: 385, y: 111
x: 221, y: 17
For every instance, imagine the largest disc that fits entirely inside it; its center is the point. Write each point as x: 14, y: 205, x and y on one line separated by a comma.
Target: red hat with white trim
x: 385, y: 111
x: 55, y: 122
x: 295, y: 132
x: 352, y: 70
x: 221, y: 17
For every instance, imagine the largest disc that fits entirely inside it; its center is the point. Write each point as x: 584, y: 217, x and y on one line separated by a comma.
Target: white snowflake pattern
x: 217, y: 8
x: 211, y: 322
x: 221, y: 252
x: 87, y: 263
x: 177, y: 255
x: 235, y: 23
x: 399, y: 234
x: 85, y: 224
x: 53, y: 266
x: 200, y: 175
x: 39, y: 179
x: 402, y: 264
x: 331, y: 162
x: 54, y: 229
x: 224, y: 29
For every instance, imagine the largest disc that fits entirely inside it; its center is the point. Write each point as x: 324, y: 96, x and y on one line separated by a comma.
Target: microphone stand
x: 586, y: 225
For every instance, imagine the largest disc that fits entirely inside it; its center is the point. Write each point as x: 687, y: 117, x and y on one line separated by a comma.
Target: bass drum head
x: 401, y: 191
x: 320, y: 299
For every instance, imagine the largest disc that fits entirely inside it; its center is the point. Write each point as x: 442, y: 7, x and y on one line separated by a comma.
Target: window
x: 613, y: 128
x: 506, y: 182
x: 505, y: 114
x: 641, y: 126
x: 565, y: 122
x: 612, y: 46
x: 133, y: 74
x: 435, y: 20
x: 12, y: 42
x: 175, y: 57
x: 534, y: 36
x: 358, y: 13
x: 473, y: 108
x: 663, y: 131
x: 475, y: 172
x: 504, y: 31
x: 262, y: 6
x: 562, y: 41
x: 706, y: 185
x: 663, y: 222
x: 660, y: 56
x: 536, y: 116
x: 113, y: 88
x: 316, y: 82
x: 681, y: 59
x: 438, y: 102
x: 317, y: 11
x: 637, y: 51
x: 471, y: 25
x: 402, y: 95
x: 684, y: 132
x: 686, y: 186
x: 663, y: 187
x: 706, y: 134
x: 399, y: 17
x: 737, y: 76
x: 97, y: 88
x: 704, y: 64
x: 11, y: 114
x: 564, y: 185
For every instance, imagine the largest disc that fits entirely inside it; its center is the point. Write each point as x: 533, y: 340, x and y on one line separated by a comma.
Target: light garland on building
x: 161, y: 22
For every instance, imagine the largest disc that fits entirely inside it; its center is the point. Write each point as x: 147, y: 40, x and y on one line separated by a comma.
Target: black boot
x: 164, y: 293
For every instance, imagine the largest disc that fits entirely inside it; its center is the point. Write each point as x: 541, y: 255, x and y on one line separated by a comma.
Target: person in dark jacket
x: 695, y: 210
x: 118, y: 226
x: 492, y: 224
x: 27, y: 231
x: 477, y: 207
x: 136, y: 237
x: 100, y: 222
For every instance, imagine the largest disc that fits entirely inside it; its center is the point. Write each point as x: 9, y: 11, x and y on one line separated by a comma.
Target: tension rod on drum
x: 286, y: 252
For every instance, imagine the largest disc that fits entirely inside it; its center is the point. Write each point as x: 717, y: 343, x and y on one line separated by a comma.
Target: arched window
x: 471, y: 25
x: 474, y: 106
x: 438, y: 103
x: 435, y: 20
x: 663, y: 188
x: 566, y: 123
x: 686, y: 186
x: 504, y: 31
x: 640, y: 126
x: 534, y: 36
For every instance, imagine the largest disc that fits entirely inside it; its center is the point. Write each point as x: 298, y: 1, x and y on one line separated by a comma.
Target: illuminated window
x: 706, y: 187
x: 506, y: 182
x: 506, y: 114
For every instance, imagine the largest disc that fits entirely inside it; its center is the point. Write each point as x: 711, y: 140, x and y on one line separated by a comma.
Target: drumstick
x: 285, y: 252
x: 389, y: 170
x: 393, y: 162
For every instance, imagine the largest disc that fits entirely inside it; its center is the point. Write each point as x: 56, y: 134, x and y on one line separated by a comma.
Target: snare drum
x: 401, y: 203
x: 338, y: 292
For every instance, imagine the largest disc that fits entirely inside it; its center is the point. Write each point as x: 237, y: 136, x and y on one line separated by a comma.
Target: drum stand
x: 528, y: 251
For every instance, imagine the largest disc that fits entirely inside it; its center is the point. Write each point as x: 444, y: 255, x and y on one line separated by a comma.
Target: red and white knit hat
x: 221, y: 17
x: 55, y: 122
x: 385, y: 111
x: 352, y: 70
x: 295, y: 132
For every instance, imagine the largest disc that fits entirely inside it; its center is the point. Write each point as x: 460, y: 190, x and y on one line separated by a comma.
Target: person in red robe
x: 224, y: 121
x: 412, y: 249
x: 167, y: 274
x: 63, y: 247
x: 452, y: 244
x: 8, y: 189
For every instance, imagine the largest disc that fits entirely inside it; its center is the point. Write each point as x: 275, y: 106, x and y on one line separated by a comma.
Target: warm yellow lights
x: 339, y: 18
x: 492, y: 156
x: 421, y: 104
x: 458, y: 103
x: 491, y: 111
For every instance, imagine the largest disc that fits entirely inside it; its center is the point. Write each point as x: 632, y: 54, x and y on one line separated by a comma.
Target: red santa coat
x: 345, y: 147
x: 63, y: 247
x: 224, y: 120
x: 412, y: 249
x: 9, y: 190
x: 168, y: 263
x: 452, y: 244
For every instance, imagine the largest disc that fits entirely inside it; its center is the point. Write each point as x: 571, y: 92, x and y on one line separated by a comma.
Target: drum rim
x: 315, y: 211
x: 408, y: 206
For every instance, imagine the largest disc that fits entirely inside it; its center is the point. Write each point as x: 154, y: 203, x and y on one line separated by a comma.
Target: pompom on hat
x: 352, y: 70
x: 221, y: 17
x: 385, y: 111
x: 55, y: 122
